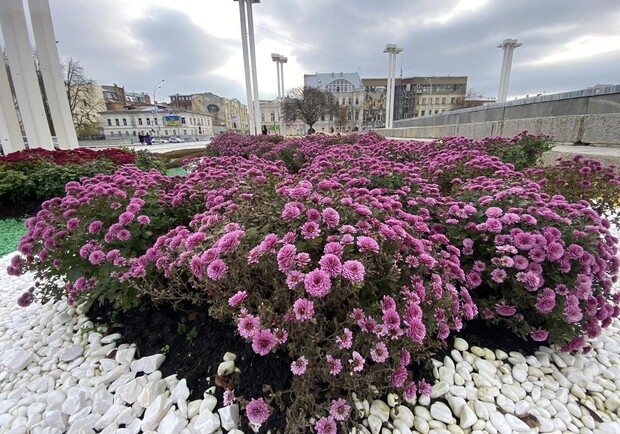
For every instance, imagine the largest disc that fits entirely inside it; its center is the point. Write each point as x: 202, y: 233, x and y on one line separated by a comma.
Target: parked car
x: 159, y: 140
x: 175, y: 140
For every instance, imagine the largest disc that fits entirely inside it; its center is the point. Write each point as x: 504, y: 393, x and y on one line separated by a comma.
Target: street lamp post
x: 280, y: 61
x: 392, y: 51
x: 249, y: 63
x: 157, y: 86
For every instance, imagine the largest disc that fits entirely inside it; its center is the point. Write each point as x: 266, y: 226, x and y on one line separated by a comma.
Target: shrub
x: 580, y: 179
x: 538, y: 263
x: 353, y: 288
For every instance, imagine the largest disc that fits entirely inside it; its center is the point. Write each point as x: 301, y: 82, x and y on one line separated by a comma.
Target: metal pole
x: 157, y: 86
x: 257, y: 118
x: 246, y: 65
x: 389, y: 82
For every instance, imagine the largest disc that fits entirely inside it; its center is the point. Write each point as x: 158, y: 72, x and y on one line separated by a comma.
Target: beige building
x: 169, y: 122
x: 86, y: 104
x: 228, y: 114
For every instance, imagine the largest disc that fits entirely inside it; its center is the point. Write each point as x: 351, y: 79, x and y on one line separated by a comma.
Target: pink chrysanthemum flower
x: 317, y: 283
x: 310, y: 230
x: 263, y: 342
x: 367, y: 244
x: 126, y: 218
x: 505, y: 310
x: 353, y: 271
x: 334, y: 365
x: 303, y: 309
x: 357, y: 362
x: 229, y: 397
x: 334, y: 248
x: 143, y: 219
x: 325, y: 425
x: 399, y: 376
x: 95, y: 227
x: 331, y: 217
x: 298, y: 367
x: 345, y: 341
x: 331, y: 264
x: 339, y: 409
x: 286, y: 257
x: 237, y: 298
x: 248, y: 326
x: 539, y: 335
x: 96, y: 257
x: 293, y: 278
x: 379, y: 353
x: 257, y: 411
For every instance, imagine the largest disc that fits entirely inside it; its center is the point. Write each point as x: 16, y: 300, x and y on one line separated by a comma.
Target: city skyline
x: 567, y: 45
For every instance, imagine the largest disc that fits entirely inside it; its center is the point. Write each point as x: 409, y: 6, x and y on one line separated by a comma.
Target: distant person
x: 147, y: 139
x: 264, y: 130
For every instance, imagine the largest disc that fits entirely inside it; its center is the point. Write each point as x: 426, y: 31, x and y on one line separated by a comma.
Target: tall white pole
x: 388, y: 104
x: 508, y: 45
x: 392, y: 88
x: 246, y: 66
x: 279, y: 85
x: 27, y: 90
x: 11, y: 139
x: 51, y: 71
x: 257, y: 117
x: 281, y: 63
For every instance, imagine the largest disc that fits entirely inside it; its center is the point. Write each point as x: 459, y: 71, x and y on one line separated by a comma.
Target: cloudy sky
x: 195, y: 45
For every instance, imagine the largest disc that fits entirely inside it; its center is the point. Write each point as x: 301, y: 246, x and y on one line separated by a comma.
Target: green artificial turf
x: 176, y: 171
x: 10, y: 232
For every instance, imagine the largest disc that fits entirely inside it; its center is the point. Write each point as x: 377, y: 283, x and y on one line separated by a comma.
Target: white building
x: 169, y: 122
x: 349, y: 94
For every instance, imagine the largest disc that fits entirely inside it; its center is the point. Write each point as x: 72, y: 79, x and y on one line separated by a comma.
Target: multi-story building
x: 137, y: 98
x: 114, y: 96
x: 349, y: 95
x: 228, y: 114
x: 86, y: 102
x: 181, y: 101
x: 413, y: 97
x: 167, y: 122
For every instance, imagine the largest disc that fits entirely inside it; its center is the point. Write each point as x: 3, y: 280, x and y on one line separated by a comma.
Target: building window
x: 340, y: 85
x: 262, y: 117
x: 127, y: 133
x: 124, y: 121
x: 148, y: 121
x: 109, y: 122
x: 452, y: 101
x: 116, y: 122
x: 357, y: 101
x: 155, y: 121
x: 423, y: 101
x: 443, y: 100
x: 182, y: 121
x: 273, y: 117
x: 139, y: 121
x: 436, y: 111
x: 423, y: 112
x: 437, y: 100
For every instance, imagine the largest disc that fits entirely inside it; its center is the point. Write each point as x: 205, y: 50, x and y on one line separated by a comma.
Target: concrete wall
x: 568, y: 118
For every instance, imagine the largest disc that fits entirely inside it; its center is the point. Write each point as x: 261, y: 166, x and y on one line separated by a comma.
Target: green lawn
x: 10, y: 232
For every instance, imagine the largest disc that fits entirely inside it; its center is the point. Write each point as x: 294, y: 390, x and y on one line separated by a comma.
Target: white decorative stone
x: 441, y: 412
x: 148, y: 364
x: 404, y: 414
x: 155, y: 412
x: 226, y: 368
x: 208, y: 403
x: 15, y: 360
x: 499, y: 422
x: 380, y: 409
x: 229, y: 416
x: 439, y: 389
x: 180, y: 391
x: 468, y: 417
x: 461, y: 344
x: 172, y: 423
x: 71, y: 353
x: 374, y: 423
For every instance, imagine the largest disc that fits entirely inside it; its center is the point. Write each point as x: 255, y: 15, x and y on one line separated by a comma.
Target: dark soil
x: 195, y: 345
x: 24, y: 208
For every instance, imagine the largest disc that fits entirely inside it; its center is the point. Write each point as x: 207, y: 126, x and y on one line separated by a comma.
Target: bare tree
x: 84, y: 101
x: 342, y: 117
x: 472, y: 98
x: 308, y: 104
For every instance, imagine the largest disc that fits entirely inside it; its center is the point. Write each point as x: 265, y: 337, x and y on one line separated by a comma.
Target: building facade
x: 228, y: 114
x: 167, y: 122
x: 413, y: 97
x: 349, y: 94
x: 181, y: 101
x: 86, y: 105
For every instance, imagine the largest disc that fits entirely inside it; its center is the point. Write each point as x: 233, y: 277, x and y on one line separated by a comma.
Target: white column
x: 388, y: 104
x: 257, y: 117
x: 51, y: 71
x: 246, y: 65
x: 279, y: 84
x: 392, y: 86
x: 508, y: 45
x: 19, y: 52
x: 11, y: 139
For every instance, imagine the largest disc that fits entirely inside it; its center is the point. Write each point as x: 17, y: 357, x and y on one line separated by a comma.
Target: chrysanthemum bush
x: 581, y: 178
x: 352, y: 287
x: 540, y: 264
x: 358, y: 265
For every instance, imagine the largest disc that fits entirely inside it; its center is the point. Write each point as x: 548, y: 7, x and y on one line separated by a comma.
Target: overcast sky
x: 195, y: 45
